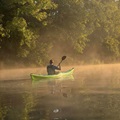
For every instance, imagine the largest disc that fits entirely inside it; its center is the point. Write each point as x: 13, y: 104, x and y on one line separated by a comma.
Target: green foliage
x: 89, y: 25
x: 31, y: 29
x: 70, y: 20
x: 40, y: 54
x: 80, y: 43
x: 112, y: 28
x: 113, y: 45
x: 2, y: 30
x: 106, y: 26
x: 2, y: 34
x: 20, y: 22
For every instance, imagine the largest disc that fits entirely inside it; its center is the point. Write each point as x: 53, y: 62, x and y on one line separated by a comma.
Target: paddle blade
x: 64, y: 57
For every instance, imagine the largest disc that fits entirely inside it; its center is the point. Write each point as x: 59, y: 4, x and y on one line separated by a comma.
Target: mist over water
x: 20, y: 73
x: 99, y: 75
x: 93, y: 94
x: 86, y: 76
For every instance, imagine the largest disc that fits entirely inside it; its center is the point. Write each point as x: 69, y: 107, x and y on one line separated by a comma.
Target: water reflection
x: 88, y: 97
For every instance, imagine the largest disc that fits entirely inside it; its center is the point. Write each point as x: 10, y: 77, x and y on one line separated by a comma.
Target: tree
x: 21, y: 21
x: 69, y: 26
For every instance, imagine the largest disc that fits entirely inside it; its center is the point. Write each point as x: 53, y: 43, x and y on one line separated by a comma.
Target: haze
x: 102, y: 75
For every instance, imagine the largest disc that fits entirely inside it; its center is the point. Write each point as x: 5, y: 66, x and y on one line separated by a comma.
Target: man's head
x: 51, y: 61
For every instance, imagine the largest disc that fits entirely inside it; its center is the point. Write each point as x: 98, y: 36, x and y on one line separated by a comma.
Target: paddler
x: 51, y: 68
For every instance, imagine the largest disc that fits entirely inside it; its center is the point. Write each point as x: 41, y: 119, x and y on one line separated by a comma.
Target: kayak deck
x: 56, y: 76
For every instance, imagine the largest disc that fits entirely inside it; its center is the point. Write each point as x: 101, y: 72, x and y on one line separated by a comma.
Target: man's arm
x: 57, y: 67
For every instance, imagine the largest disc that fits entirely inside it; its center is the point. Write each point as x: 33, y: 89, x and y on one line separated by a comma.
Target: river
x: 94, y: 94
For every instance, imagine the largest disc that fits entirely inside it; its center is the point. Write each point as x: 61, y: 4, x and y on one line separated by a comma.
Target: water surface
x: 94, y: 94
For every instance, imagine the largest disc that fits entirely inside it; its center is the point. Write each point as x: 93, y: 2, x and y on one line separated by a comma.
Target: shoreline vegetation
x: 33, y: 32
x: 17, y: 65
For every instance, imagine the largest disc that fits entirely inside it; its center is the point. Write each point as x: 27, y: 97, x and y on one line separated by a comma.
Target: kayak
x: 67, y: 73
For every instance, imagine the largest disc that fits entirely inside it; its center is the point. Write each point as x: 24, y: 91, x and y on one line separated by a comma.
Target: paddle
x: 63, y: 58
